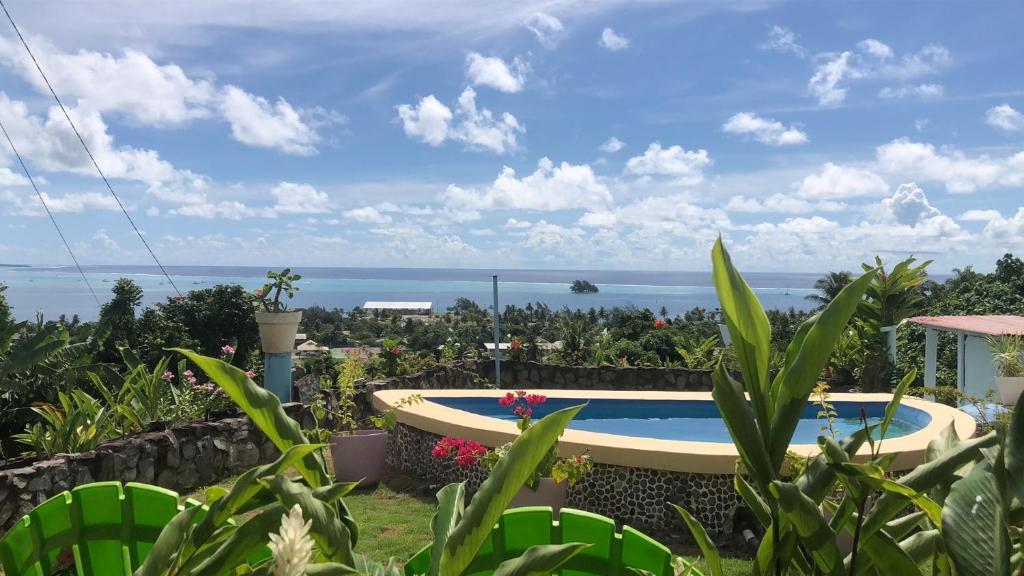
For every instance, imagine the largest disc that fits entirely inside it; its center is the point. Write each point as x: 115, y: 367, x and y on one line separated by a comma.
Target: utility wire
x: 87, y: 151
x: 50, y: 214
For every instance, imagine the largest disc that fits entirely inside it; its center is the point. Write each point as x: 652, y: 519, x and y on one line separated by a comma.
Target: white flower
x: 291, y: 546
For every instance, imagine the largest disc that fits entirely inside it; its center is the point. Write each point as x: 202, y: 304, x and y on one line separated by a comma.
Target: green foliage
x: 1008, y: 354
x: 701, y: 355
x: 117, y: 317
x: 388, y: 419
x: 829, y: 286
x: 967, y: 519
x: 583, y: 287
x: 269, y: 296
x: 78, y: 423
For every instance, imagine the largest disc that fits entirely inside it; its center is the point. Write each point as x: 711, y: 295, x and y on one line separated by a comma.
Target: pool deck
x: 637, y: 452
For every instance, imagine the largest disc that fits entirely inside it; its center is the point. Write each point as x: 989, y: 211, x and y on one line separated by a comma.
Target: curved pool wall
x: 634, y: 477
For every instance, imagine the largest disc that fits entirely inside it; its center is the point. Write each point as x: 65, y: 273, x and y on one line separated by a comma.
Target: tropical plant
x: 77, y: 423
x: 212, y: 543
x: 387, y: 419
x: 829, y: 286
x: 1008, y: 354
x: 701, y: 355
x: 962, y: 497
x: 143, y: 395
x: 269, y: 296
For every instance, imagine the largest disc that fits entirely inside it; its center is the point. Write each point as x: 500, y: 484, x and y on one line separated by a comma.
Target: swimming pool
x: 693, y: 420
x: 673, y: 431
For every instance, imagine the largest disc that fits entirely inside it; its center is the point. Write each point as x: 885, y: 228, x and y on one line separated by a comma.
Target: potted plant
x: 277, y: 324
x: 358, y: 450
x: 1008, y: 356
x: 550, y: 482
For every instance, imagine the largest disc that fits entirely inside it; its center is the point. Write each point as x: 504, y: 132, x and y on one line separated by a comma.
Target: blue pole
x: 277, y: 374
x: 497, y: 337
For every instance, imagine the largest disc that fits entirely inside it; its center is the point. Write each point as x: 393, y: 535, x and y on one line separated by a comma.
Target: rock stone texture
x: 181, y: 458
x: 639, y: 497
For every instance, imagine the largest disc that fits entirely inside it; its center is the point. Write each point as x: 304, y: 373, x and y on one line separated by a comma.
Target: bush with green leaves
x: 77, y: 423
x: 1007, y: 354
x: 194, y: 544
x: 960, y: 510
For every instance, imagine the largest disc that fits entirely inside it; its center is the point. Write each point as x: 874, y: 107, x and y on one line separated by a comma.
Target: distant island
x: 15, y: 266
x: 582, y: 287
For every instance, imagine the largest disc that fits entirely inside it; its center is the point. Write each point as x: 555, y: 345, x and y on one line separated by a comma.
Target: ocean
x: 61, y: 290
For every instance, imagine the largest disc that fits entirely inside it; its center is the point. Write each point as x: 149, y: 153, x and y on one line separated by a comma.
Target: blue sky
x: 543, y: 134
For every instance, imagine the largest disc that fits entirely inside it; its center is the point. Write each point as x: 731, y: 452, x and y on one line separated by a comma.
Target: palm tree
x: 829, y: 287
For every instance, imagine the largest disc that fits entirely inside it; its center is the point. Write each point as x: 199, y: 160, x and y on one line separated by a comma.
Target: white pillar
x: 931, y: 353
x: 890, y: 339
x: 961, y: 359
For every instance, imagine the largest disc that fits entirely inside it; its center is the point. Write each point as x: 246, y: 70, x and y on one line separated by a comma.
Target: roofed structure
x: 980, y: 325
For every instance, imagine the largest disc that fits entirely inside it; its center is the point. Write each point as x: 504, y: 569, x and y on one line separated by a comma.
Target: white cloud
x: 256, y: 122
x: 979, y: 215
x: 548, y: 29
x: 782, y: 39
x: 1005, y: 117
x: 909, y: 205
x: 10, y: 178
x: 74, y: 203
x: 427, y: 121
x: 131, y: 84
x: 367, y: 215
x: 764, y: 130
x: 494, y: 72
x: 824, y: 84
x: 837, y: 182
x: 550, y: 187
x: 874, y: 60
x: 1008, y: 232
x: 105, y: 240
x: 432, y: 122
x: 876, y: 48
x: 923, y: 91
x: 782, y: 204
x: 686, y: 167
x: 295, y: 198
x: 612, y: 41
x: 612, y: 145
x: 959, y: 172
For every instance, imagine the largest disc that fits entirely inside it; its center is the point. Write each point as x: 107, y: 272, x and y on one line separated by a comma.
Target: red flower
x: 445, y: 446
x: 516, y: 344
x: 659, y: 324
x: 469, y: 454
x: 518, y: 411
x: 178, y: 298
x: 534, y: 399
x: 507, y: 400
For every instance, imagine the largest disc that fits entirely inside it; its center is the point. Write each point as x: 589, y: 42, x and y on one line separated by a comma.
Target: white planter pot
x: 1010, y: 388
x: 277, y: 330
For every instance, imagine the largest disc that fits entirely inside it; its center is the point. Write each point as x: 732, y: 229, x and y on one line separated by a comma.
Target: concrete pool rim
x: 657, y: 454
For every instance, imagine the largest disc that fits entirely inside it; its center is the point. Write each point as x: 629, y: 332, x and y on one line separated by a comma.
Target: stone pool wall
x: 639, y: 497
x: 557, y: 376
x: 181, y: 458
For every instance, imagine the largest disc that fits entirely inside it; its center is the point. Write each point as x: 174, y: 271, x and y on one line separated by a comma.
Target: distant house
x: 413, y: 309
x: 310, y: 348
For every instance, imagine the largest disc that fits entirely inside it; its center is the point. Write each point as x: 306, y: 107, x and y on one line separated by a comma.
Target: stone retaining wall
x: 639, y: 497
x: 181, y: 458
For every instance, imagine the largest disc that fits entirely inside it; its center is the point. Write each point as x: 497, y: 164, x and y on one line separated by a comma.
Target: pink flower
x: 507, y: 400
x: 227, y: 349
x: 250, y: 373
x: 534, y: 399
x: 659, y: 324
x: 469, y: 454
x: 516, y: 344
x: 178, y: 298
x: 168, y: 376
x: 395, y: 350
x: 192, y: 380
x: 259, y: 293
x: 187, y: 373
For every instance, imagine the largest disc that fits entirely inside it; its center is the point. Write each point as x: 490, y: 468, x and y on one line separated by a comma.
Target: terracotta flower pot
x: 1010, y: 388
x: 548, y: 493
x: 277, y: 330
x: 359, y: 455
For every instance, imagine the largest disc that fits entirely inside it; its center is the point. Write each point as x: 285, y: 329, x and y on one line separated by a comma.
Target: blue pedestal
x: 277, y: 374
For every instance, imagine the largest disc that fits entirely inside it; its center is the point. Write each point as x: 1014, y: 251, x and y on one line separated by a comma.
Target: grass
x: 395, y: 522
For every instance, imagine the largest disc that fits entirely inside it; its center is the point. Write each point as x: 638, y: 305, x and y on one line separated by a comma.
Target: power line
x: 48, y: 213
x: 86, y: 147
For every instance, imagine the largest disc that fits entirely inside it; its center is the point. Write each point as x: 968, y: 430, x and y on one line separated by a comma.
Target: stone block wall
x: 538, y: 375
x: 639, y: 497
x: 182, y: 458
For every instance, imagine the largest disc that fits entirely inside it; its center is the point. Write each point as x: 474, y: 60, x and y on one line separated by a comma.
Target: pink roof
x: 988, y: 325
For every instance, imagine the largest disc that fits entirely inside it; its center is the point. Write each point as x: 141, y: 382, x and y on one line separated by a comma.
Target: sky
x: 811, y: 136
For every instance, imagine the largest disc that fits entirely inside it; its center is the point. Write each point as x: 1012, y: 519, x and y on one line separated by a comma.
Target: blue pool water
x: 694, y: 420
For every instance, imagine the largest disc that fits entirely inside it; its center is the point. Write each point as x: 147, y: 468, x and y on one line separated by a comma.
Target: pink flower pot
x: 548, y: 493
x: 359, y: 456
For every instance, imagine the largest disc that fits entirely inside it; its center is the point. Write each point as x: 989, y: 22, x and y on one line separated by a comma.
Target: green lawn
x: 393, y: 522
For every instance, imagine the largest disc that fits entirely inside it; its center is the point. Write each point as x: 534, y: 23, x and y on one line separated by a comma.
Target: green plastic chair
x: 518, y: 529
x: 105, y: 528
